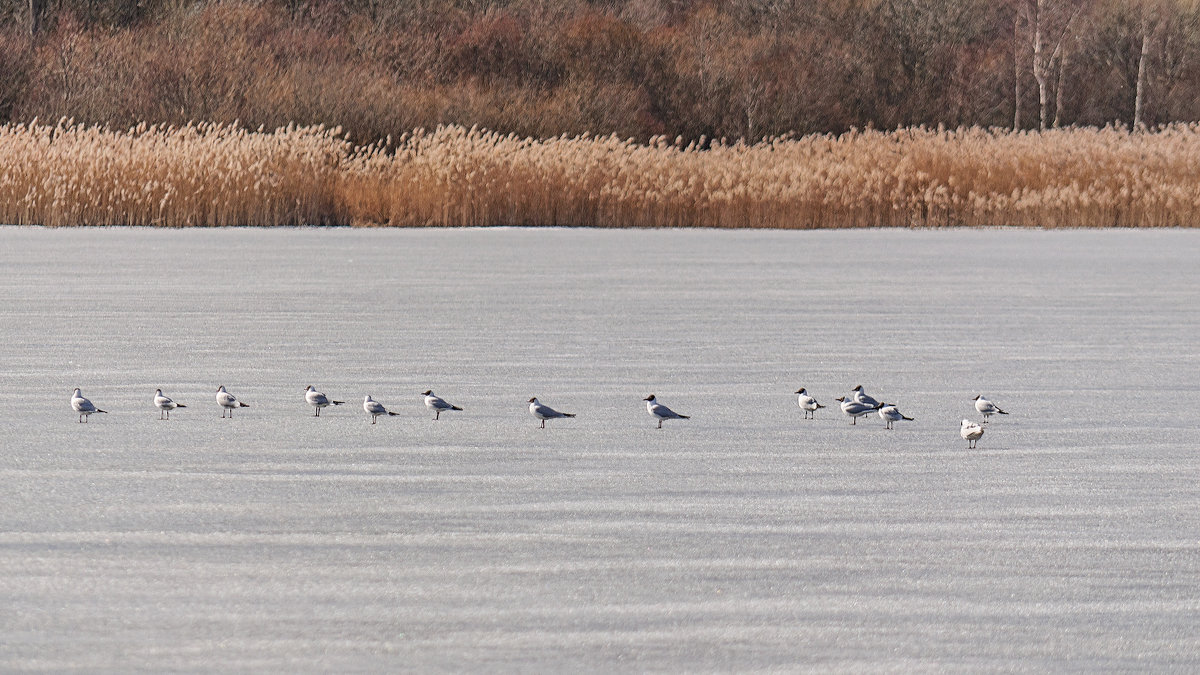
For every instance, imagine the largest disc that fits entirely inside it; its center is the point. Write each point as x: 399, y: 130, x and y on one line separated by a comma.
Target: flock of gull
x: 857, y: 404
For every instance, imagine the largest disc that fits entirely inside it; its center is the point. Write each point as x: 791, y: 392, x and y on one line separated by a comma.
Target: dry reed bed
x: 221, y: 175
x: 202, y: 174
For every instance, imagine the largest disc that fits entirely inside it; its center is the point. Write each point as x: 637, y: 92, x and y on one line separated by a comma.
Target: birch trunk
x: 1017, y: 48
x: 1040, y: 66
x: 1139, y: 96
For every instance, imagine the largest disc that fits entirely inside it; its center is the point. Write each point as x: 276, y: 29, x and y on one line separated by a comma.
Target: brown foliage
x: 733, y: 69
x: 16, y: 71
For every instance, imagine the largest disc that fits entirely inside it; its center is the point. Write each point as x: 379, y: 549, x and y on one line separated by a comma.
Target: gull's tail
x: 180, y: 405
x: 243, y: 405
x: 568, y: 414
x: 454, y: 407
x: 392, y: 413
x: 337, y: 402
x: 103, y: 411
x: 819, y: 406
x: 906, y: 418
x: 685, y: 417
x: 1001, y: 411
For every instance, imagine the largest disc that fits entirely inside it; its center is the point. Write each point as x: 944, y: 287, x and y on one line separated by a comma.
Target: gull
x: 854, y: 409
x: 375, y: 408
x: 544, y: 412
x: 807, y: 403
x: 164, y: 404
x: 228, y: 401
x: 860, y: 396
x: 318, y: 400
x: 83, y: 406
x: 661, y: 412
x: 987, y: 408
x: 970, y: 432
x: 890, y: 414
x: 437, y: 404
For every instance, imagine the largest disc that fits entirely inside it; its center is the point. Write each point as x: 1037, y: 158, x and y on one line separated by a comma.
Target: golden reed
x: 216, y: 175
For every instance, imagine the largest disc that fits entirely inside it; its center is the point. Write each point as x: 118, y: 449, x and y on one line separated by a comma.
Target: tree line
x: 733, y: 69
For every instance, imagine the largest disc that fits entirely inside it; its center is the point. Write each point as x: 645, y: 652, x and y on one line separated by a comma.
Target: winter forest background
x: 637, y: 68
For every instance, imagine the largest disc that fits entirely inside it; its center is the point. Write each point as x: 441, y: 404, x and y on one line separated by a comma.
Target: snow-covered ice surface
x: 745, y: 538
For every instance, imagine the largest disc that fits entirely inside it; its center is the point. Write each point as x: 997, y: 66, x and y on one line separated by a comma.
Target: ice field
x: 743, y: 539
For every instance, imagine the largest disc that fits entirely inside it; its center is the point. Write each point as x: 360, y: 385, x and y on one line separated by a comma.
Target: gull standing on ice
x: 970, y: 432
x: 544, y: 412
x: 375, y: 408
x: 318, y: 400
x: 987, y: 408
x: 165, y: 404
x: 228, y: 401
x: 860, y: 396
x: 807, y: 403
x: 83, y: 406
x: 661, y: 412
x: 854, y: 409
x: 437, y: 404
x: 890, y: 414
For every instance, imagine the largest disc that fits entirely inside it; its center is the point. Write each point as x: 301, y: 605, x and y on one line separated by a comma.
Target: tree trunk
x: 36, y: 9
x: 1139, y: 96
x: 1062, y: 81
x: 1017, y: 47
x: 1039, y: 66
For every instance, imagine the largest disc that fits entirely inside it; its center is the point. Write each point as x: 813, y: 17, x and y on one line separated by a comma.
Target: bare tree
x: 1040, y: 63
x: 1061, y: 88
x: 1018, y: 17
x: 1176, y: 53
x: 1156, y: 22
x: 1049, y: 23
x: 1139, y: 96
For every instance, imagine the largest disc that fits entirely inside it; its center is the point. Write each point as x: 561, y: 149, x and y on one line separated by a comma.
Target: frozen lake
x: 746, y: 538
